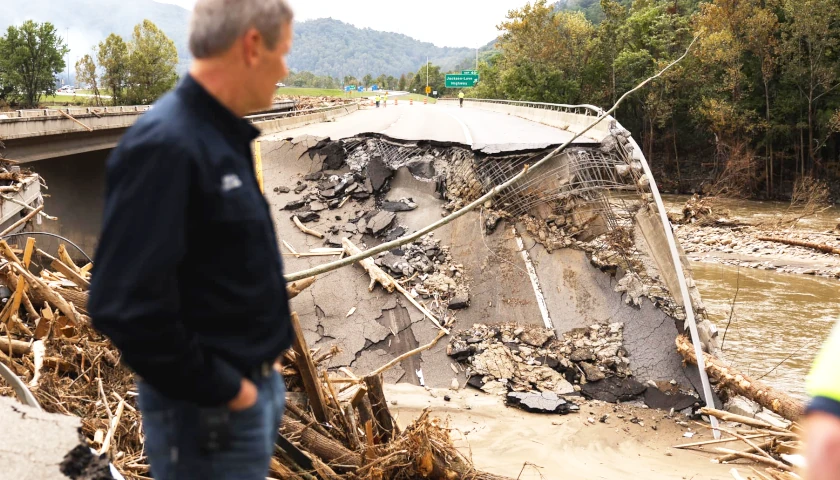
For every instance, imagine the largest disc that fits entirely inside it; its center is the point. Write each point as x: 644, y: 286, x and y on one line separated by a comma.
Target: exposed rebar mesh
x: 583, y: 173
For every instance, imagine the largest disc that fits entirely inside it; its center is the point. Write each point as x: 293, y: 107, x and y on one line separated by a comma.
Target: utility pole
x: 68, y: 56
x: 427, y: 76
x: 476, y: 59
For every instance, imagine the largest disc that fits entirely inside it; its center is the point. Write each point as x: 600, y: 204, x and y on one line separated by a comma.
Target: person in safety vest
x: 461, y: 98
x: 822, y: 417
x: 377, y: 99
x: 386, y: 100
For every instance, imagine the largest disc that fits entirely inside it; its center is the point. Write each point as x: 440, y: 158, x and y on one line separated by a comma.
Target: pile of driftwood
x: 47, y: 342
x: 775, y: 448
x: 344, y: 428
x: 335, y: 427
x: 308, y: 103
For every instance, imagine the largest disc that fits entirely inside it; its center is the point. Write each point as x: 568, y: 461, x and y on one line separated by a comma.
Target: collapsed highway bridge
x: 578, y: 243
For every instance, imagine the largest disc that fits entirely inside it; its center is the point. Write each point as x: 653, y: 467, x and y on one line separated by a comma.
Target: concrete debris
x: 294, y: 204
x: 613, y: 389
x: 459, y: 301
x: 380, y: 222
x: 656, y: 398
x: 540, y: 402
x: 378, y: 173
x: 531, y: 359
x: 82, y: 463
x: 308, y: 217
x: 403, y: 205
x: 282, y: 189
x: 632, y: 285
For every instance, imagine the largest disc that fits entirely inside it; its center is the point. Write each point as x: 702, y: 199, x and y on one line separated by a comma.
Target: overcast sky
x: 446, y: 23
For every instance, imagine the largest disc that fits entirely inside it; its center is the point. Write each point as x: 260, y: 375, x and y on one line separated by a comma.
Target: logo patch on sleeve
x: 230, y: 182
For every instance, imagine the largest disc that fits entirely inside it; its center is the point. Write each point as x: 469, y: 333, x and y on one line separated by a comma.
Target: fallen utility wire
x: 328, y: 267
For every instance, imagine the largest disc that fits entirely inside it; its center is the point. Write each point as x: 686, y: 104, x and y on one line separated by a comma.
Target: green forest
x: 754, y: 106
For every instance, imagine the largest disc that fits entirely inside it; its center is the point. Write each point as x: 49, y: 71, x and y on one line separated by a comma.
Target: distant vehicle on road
x: 281, y: 85
x: 67, y: 89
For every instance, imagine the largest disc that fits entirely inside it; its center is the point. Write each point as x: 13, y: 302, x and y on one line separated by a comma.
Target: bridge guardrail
x: 295, y: 113
x: 636, y: 154
x: 54, y: 112
x: 582, y: 109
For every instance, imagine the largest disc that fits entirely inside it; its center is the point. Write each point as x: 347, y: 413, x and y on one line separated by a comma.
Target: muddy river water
x: 779, y: 320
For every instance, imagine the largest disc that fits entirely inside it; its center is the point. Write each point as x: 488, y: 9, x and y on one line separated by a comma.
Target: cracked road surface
x: 445, y: 123
x: 385, y: 325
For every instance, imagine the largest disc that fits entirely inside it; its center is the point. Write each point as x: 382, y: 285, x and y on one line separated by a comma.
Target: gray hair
x: 217, y: 24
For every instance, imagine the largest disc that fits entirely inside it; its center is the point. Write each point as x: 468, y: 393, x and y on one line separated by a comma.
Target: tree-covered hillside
x: 331, y: 47
x: 322, y: 46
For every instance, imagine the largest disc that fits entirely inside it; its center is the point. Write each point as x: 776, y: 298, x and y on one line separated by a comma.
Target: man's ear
x: 251, y: 42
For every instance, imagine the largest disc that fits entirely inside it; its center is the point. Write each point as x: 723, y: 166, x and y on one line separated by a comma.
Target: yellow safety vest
x: 460, y: 94
x: 824, y: 379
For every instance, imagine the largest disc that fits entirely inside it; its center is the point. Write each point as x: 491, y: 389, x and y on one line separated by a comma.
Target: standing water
x: 777, y: 318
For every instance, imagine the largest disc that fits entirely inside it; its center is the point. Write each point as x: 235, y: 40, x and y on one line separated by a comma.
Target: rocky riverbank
x: 747, y: 246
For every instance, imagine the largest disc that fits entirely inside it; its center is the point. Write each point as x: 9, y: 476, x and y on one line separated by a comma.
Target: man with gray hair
x: 189, y: 280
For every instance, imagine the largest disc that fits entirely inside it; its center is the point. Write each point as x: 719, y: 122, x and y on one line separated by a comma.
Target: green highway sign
x: 469, y: 72
x: 461, y: 81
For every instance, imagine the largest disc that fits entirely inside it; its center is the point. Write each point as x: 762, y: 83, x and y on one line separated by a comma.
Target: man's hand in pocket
x: 246, y: 398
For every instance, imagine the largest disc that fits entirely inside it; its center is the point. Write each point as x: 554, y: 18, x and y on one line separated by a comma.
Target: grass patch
x: 62, y: 100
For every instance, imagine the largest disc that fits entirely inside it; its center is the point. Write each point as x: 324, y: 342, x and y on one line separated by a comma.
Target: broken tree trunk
x: 294, y: 289
x: 330, y: 450
x: 49, y: 294
x: 738, y: 383
x: 384, y: 422
x: 308, y: 372
x: 79, y: 299
x: 825, y: 248
x: 377, y: 275
x: 17, y: 347
x: 70, y: 273
x: 388, y: 282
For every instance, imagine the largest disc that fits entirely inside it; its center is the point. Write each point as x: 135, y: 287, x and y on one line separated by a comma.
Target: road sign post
x: 461, y: 81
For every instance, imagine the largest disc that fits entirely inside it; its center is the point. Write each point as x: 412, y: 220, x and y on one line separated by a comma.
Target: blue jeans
x: 185, y: 441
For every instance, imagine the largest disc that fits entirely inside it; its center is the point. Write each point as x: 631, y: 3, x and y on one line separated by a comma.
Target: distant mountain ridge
x: 323, y: 46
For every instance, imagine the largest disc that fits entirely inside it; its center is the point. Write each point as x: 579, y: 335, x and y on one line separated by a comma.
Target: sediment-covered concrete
x: 34, y: 442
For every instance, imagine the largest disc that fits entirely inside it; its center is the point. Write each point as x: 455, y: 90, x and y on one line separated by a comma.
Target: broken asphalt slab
x: 540, y: 402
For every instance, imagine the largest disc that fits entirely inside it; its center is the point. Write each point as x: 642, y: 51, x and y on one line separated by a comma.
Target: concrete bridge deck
x: 33, y: 135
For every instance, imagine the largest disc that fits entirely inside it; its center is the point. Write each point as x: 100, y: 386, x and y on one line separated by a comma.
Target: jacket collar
x: 196, y: 97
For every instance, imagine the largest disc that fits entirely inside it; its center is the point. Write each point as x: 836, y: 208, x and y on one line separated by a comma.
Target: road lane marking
x: 535, y: 281
x: 467, y: 135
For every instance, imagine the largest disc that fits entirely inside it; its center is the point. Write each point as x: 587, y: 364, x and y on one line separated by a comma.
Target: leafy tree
x: 367, y: 80
x: 382, y: 81
x: 112, y: 55
x: 812, y: 54
x: 152, y: 58
x: 545, y: 53
x: 86, y: 73
x: 30, y: 58
x: 402, y: 84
